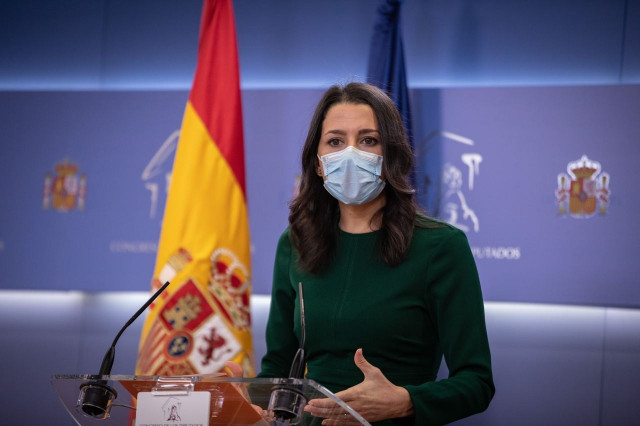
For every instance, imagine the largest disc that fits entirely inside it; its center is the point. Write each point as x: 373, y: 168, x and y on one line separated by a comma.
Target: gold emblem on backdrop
x: 65, y: 190
x: 584, y: 191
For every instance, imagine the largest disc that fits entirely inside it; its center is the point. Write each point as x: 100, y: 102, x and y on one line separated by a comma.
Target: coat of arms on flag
x: 584, y: 190
x: 194, y: 330
x: 66, y: 190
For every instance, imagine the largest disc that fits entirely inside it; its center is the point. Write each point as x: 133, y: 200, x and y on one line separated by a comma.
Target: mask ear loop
x: 319, y: 168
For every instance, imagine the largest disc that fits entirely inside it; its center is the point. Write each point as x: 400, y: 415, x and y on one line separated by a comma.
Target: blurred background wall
x: 98, y: 89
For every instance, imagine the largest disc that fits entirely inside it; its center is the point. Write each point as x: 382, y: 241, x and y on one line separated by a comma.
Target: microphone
x: 298, y: 364
x: 287, y: 401
x: 96, y: 396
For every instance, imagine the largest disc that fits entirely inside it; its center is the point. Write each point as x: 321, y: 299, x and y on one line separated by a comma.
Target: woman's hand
x: 235, y: 370
x: 375, y: 398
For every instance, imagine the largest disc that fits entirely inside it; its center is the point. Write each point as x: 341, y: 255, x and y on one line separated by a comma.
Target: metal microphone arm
x: 96, y: 396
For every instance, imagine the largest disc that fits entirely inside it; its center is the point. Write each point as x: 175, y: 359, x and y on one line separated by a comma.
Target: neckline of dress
x: 357, y: 235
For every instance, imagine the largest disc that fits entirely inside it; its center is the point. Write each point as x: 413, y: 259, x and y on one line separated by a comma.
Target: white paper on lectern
x: 172, y: 410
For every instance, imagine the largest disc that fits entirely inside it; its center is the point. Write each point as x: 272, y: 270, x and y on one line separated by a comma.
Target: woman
x: 387, y: 291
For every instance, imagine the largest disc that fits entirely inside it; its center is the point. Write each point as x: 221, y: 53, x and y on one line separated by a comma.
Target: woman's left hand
x: 375, y: 398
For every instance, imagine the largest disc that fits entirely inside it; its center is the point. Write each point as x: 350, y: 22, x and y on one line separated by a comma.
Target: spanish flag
x: 203, y: 320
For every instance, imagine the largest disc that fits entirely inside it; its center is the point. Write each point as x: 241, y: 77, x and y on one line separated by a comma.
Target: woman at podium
x: 387, y: 290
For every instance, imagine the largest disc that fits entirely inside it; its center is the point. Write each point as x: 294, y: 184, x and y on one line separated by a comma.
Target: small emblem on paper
x: 172, y: 410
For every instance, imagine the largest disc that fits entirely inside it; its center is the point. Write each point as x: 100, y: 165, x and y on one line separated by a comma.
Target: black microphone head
x: 287, y: 403
x: 95, y: 399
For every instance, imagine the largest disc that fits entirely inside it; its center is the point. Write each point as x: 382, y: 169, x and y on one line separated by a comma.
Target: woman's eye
x: 334, y: 142
x: 369, y: 141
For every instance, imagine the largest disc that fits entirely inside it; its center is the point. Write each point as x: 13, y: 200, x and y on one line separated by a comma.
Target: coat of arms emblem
x: 66, y: 190
x: 584, y: 190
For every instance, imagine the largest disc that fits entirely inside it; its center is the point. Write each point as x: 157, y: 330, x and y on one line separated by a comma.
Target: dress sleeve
x: 282, y: 343
x: 455, y: 301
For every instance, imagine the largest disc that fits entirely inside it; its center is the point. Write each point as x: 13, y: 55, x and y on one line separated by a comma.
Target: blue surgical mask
x: 353, y: 176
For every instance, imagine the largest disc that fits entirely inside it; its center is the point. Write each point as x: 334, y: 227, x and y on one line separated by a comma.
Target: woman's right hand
x: 235, y: 370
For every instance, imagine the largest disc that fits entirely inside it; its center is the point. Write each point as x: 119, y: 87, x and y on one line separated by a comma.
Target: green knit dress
x: 405, y: 318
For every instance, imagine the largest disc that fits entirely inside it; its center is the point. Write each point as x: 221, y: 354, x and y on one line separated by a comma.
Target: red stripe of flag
x: 215, y: 94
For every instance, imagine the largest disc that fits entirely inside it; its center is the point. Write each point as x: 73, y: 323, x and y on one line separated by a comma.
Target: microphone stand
x: 96, y: 396
x: 287, y: 401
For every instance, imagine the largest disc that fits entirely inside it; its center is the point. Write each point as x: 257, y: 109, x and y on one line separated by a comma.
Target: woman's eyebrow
x: 335, y: 132
x: 342, y: 132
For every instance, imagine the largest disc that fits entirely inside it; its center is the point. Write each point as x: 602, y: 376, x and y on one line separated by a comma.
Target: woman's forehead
x: 344, y: 116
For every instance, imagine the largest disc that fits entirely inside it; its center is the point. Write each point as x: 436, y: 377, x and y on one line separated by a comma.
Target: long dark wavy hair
x: 314, y: 213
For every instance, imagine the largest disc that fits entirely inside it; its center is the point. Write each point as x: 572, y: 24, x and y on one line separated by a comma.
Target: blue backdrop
x: 501, y: 152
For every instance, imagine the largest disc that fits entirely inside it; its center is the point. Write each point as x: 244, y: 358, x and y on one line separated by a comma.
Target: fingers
x: 322, y: 403
x: 266, y: 416
x: 235, y: 369
x: 367, y: 369
x: 325, y: 408
x: 331, y: 412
